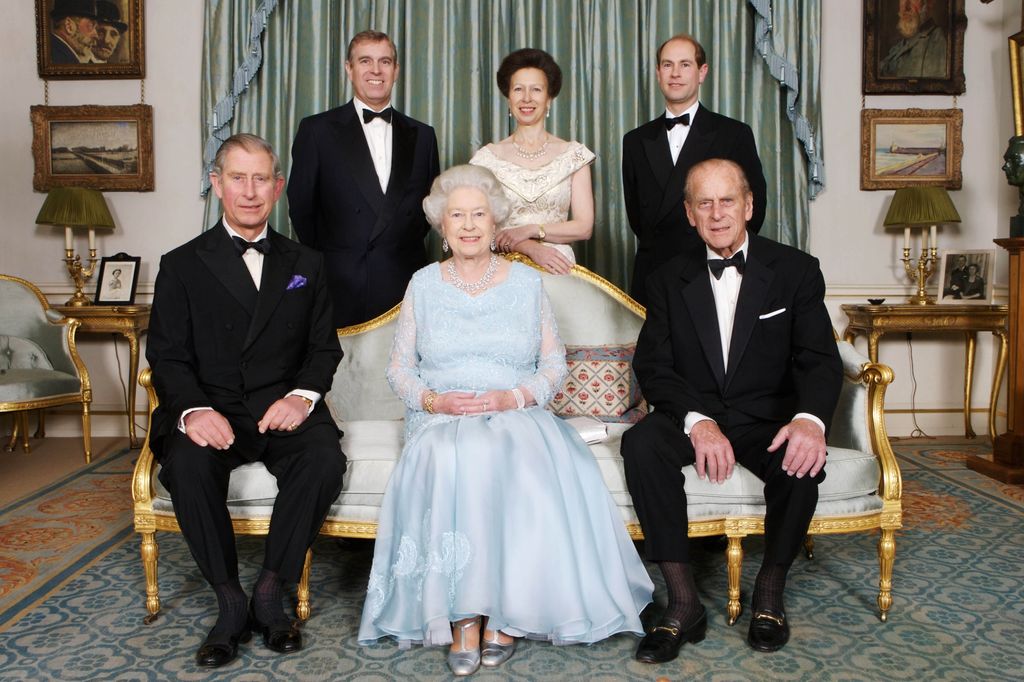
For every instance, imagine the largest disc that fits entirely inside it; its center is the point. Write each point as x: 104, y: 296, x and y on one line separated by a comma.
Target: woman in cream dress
x: 546, y: 179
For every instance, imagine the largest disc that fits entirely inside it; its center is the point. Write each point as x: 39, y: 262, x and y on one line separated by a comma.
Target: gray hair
x: 716, y: 164
x: 467, y: 175
x: 250, y: 143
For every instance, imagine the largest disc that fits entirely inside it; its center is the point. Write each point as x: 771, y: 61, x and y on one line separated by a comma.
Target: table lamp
x: 923, y: 207
x: 76, y: 208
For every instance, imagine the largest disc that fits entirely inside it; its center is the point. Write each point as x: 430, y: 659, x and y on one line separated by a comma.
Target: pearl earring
x: 444, y: 244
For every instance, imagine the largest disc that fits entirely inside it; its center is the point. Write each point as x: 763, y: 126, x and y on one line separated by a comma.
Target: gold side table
x: 131, y: 322
x: 873, y: 321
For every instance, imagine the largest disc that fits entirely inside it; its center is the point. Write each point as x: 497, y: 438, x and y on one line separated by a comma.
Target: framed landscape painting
x: 98, y: 147
x: 90, y: 39
x: 907, y: 147
x: 913, y: 47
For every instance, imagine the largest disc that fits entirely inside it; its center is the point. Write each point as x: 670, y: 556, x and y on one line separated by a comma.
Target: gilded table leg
x: 997, y: 382
x: 302, y: 609
x: 873, y: 338
x: 972, y: 341
x: 734, y: 555
x: 86, y: 432
x: 133, y: 381
x: 150, y: 553
x: 886, y: 555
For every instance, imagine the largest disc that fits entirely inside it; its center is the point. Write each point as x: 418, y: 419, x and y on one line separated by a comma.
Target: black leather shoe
x: 769, y: 630
x: 220, y: 648
x: 280, y: 636
x: 662, y: 643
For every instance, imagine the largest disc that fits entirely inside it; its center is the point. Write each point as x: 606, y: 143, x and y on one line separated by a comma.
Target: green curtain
x: 449, y: 51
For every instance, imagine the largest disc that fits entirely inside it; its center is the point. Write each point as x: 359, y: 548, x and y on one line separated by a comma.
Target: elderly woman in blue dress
x: 496, y: 523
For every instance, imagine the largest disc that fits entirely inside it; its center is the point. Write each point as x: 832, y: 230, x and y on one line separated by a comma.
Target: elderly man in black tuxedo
x: 738, y: 360
x: 358, y: 177
x: 657, y: 156
x: 243, y: 350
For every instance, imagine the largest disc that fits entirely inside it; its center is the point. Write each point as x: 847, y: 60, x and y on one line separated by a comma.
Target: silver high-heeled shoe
x: 466, y: 662
x: 494, y: 653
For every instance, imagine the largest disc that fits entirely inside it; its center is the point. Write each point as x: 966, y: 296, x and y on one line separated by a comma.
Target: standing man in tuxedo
x: 657, y: 156
x: 243, y: 350
x: 358, y: 177
x: 738, y: 359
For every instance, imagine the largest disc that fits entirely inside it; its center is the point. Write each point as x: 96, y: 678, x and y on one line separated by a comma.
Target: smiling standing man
x: 357, y: 181
x: 737, y: 358
x: 243, y: 350
x: 657, y: 156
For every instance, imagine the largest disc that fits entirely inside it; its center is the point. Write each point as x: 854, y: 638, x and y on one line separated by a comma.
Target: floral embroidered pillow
x: 600, y: 384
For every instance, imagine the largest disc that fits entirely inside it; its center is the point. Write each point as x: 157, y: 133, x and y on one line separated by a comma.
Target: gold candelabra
x: 79, y: 274
x: 919, y: 271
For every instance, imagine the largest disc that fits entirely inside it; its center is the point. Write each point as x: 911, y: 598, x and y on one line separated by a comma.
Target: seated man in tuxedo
x: 738, y: 360
x: 243, y: 350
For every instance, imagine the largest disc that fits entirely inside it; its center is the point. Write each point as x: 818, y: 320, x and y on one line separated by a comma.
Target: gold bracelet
x: 541, y: 233
x: 428, y: 402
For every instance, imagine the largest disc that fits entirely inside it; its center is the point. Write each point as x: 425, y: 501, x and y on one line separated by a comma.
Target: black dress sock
x: 683, y: 601
x: 231, y: 602
x: 266, y: 598
x: 769, y: 586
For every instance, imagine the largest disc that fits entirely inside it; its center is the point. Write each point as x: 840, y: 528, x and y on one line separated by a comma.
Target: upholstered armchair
x: 39, y: 363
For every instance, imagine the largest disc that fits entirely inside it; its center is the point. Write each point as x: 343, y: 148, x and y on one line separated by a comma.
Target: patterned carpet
x: 72, y: 598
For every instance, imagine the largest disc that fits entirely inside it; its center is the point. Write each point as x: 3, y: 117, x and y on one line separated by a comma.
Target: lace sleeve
x: 403, y: 371
x: 551, y: 369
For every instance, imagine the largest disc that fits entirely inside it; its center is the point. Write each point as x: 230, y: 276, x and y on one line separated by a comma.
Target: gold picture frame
x: 97, y: 147
x: 1016, y: 46
x: 114, y: 46
x: 907, y: 147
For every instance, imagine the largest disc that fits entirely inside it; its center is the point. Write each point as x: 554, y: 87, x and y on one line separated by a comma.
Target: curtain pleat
x: 449, y: 51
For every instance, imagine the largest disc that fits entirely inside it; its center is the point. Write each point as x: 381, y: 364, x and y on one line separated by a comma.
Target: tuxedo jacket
x: 372, y: 241
x: 783, y: 357
x: 652, y: 187
x: 215, y: 341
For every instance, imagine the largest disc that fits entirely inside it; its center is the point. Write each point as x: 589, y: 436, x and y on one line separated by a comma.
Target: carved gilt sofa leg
x: 886, y: 555
x: 809, y: 546
x: 302, y: 609
x: 150, y: 554
x: 734, y: 555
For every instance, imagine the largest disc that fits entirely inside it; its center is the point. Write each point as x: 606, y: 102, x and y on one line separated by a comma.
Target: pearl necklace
x: 481, y: 284
x: 531, y: 156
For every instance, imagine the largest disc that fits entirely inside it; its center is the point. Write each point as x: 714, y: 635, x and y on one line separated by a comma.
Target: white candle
x: 67, y: 239
x: 92, y: 239
x: 935, y: 237
x: 906, y: 238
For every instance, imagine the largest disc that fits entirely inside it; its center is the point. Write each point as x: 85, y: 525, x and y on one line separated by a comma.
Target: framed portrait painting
x: 98, y: 147
x: 90, y: 39
x: 966, y: 276
x: 118, y: 279
x: 913, y: 47
x: 907, y: 147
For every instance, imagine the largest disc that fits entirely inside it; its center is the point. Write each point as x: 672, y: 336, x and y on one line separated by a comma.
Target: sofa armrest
x: 142, y: 478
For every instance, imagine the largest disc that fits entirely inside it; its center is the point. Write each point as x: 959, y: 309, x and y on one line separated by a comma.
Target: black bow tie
x: 718, y: 265
x: 682, y: 120
x: 262, y: 245
x: 370, y: 114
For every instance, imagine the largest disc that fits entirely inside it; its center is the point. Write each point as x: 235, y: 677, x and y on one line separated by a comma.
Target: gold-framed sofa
x: 861, y: 492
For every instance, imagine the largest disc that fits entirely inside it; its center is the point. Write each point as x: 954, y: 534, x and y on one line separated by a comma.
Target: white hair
x: 467, y: 175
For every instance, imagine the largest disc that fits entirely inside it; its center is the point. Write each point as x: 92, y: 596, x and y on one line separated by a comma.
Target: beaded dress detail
x: 503, y: 514
x: 538, y: 195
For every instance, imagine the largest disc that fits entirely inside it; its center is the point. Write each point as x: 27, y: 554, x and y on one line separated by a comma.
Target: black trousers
x: 308, y: 465
x: 655, y: 450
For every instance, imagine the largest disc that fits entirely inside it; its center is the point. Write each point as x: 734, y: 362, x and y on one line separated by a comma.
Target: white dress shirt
x: 726, y: 292
x: 253, y: 260
x: 678, y: 134
x: 380, y: 139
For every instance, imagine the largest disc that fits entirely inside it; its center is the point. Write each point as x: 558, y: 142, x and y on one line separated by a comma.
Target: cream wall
x: 857, y: 257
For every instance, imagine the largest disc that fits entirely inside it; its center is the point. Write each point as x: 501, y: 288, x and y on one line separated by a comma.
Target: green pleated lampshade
x: 921, y: 206
x: 75, y: 207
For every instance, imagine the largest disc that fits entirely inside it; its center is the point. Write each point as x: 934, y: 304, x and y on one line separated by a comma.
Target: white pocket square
x: 772, y: 314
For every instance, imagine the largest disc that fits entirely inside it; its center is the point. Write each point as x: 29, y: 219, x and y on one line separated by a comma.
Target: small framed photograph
x: 966, y: 276
x: 98, y: 147
x: 907, y: 147
x: 913, y: 48
x: 118, y: 278
x: 90, y: 39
